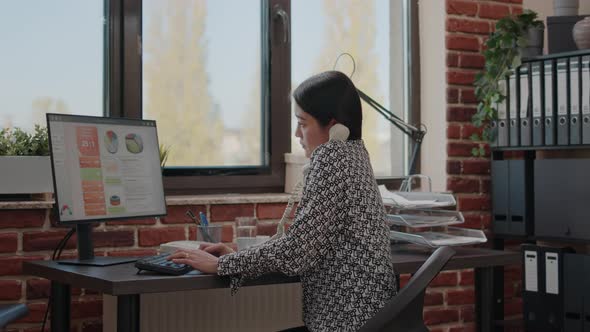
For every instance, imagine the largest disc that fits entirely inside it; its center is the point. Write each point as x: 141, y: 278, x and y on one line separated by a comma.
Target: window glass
x: 202, y: 78
x: 324, y: 29
x: 51, y: 60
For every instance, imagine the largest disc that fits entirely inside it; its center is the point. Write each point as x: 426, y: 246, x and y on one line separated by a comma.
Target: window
x: 374, y: 33
x: 52, y: 60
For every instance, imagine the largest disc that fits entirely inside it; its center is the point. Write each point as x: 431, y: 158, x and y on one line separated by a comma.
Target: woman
x: 338, y: 243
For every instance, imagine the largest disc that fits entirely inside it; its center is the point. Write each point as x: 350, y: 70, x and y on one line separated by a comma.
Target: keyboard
x: 159, y: 264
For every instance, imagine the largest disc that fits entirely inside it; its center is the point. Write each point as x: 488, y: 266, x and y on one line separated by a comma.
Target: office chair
x: 404, y: 311
x: 11, y: 312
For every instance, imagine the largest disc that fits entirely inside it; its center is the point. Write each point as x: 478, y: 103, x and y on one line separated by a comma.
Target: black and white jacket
x: 338, y: 243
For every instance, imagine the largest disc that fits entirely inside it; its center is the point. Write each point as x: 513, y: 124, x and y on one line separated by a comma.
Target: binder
x: 514, y: 125
x: 549, y: 103
x: 523, y: 105
x: 585, y: 88
x: 543, y: 293
x: 573, y: 292
x: 500, y: 196
x: 574, y: 104
x: 502, y: 123
x: 563, y: 127
x: 537, y: 104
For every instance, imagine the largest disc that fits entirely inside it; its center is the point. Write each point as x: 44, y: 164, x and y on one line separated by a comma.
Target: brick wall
x: 468, y: 23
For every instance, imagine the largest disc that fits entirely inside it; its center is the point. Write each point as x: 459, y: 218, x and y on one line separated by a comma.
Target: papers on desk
x: 416, y: 199
x: 453, y: 237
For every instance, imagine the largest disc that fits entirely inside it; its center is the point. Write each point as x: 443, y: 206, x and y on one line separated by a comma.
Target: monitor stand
x: 86, y: 251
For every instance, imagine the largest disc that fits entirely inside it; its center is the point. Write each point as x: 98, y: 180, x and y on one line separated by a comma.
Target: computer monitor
x: 104, y: 169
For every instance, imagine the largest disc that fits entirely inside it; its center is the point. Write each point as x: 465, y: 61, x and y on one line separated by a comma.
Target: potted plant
x: 25, y: 167
x: 515, y: 37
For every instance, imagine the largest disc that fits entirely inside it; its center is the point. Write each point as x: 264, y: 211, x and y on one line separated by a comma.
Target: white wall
x: 433, y: 91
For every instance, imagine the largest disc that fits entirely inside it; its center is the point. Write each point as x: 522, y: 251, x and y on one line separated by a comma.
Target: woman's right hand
x: 216, y: 249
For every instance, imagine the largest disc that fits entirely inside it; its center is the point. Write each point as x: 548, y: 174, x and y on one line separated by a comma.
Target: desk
x: 123, y: 282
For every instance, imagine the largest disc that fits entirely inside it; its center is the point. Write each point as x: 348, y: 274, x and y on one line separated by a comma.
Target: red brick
x: 22, y: 218
x: 462, y: 43
x: 35, y: 241
x: 36, y: 313
x: 476, y: 61
x: 86, y: 309
x: 11, y: 290
x: 472, y: 221
x: 468, y: 96
x: 440, y: 316
x: 460, y: 77
x: 517, y: 2
x: 513, y: 273
x: 467, y: 278
x: 467, y: 314
x: 463, y: 328
x: 460, y: 296
x: 460, y: 149
x: 474, y: 203
x: 462, y: 185
x: 38, y: 289
x: 454, y: 167
x: 468, y: 130
x: 486, y: 220
x: 452, y: 60
x: 144, y: 221
x: 468, y: 26
x: 229, y: 212
x: 453, y: 131
x: 270, y: 211
x: 266, y: 228
x: 455, y: 7
x: 91, y: 326
x: 433, y: 298
x: 452, y: 95
x: 445, y: 278
x: 514, y: 10
x: 176, y: 214
x: 476, y: 167
x: 13, y: 265
x: 513, y: 307
x: 493, y: 11
x: 132, y: 253
x: 149, y: 237
x: 403, y: 280
x: 460, y: 113
x: 8, y: 242
x: 120, y: 238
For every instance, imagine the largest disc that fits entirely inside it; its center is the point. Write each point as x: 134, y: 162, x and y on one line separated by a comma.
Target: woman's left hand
x: 198, y: 259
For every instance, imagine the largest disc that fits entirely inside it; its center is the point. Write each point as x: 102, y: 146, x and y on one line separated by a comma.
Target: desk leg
x: 489, y: 289
x: 60, y: 307
x: 128, y: 313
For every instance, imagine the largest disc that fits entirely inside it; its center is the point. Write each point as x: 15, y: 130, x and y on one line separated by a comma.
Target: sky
x: 55, y: 48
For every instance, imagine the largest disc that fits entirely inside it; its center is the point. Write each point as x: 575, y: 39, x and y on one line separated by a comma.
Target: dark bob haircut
x: 331, y: 95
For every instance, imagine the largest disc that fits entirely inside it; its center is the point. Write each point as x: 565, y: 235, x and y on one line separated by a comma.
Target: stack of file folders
x: 414, y: 216
x: 547, y: 103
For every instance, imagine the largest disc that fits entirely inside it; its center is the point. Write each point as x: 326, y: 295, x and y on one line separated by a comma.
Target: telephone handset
x: 338, y: 132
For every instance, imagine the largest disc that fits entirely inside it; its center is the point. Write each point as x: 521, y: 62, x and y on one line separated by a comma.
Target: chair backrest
x: 404, y: 311
x: 12, y: 312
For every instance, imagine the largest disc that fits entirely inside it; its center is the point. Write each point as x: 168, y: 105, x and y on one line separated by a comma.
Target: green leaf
x: 475, y: 152
x: 482, y: 151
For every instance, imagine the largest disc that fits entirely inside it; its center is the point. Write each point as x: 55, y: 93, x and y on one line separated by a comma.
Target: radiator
x: 256, y: 308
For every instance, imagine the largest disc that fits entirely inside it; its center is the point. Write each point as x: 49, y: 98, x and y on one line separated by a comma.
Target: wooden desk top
x: 123, y: 279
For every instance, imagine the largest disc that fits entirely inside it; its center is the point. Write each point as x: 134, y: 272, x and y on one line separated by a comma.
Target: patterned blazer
x: 338, y: 243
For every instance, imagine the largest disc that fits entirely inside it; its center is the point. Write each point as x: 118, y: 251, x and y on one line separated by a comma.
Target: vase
x: 565, y: 7
x: 581, y: 33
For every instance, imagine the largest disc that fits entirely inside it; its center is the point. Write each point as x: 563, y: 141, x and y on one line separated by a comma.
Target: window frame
x: 124, y: 99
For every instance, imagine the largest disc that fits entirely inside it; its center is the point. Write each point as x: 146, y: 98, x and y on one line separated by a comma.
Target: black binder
x: 574, y: 282
x: 537, y: 104
x: 563, y: 132
x: 502, y: 123
x: 574, y: 101
x: 524, y: 105
x: 549, y: 103
x: 585, y: 88
x: 514, y: 123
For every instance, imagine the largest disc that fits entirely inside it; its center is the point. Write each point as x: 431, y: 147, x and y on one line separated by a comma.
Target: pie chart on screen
x: 111, y: 141
x: 134, y: 143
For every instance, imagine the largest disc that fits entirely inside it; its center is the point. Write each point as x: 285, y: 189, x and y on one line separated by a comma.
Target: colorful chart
x: 134, y: 143
x: 111, y: 141
x: 115, y: 200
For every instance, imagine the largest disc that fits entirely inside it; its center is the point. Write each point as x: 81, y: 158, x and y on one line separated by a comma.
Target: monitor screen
x: 105, y: 168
